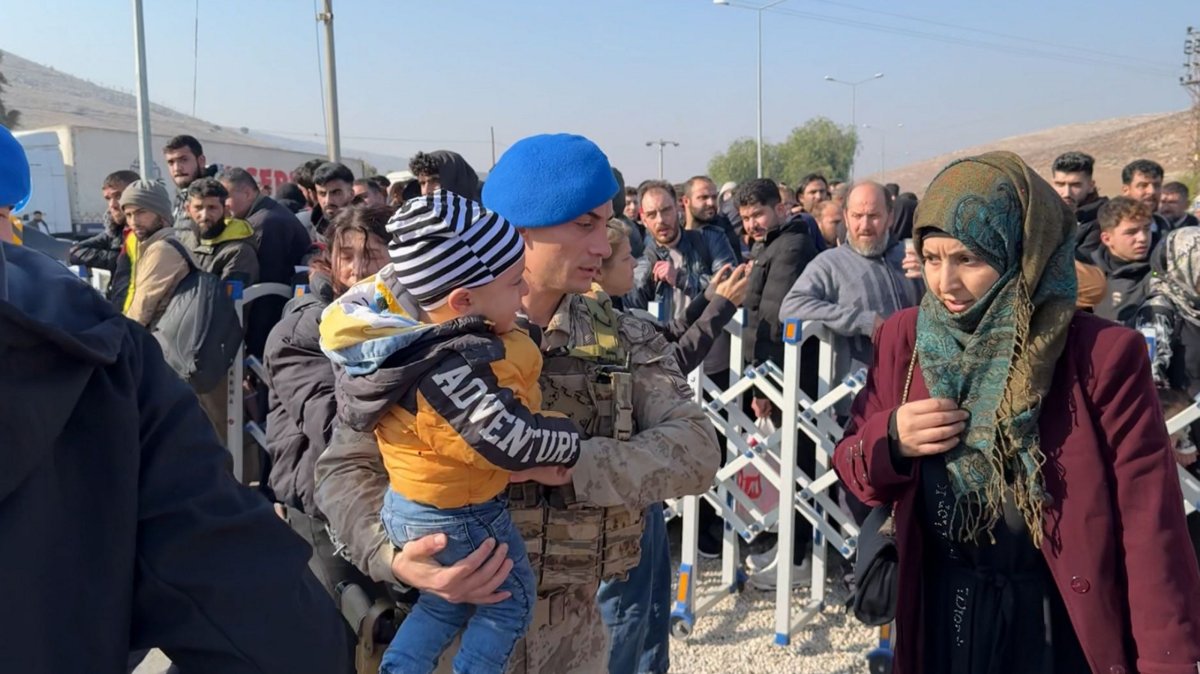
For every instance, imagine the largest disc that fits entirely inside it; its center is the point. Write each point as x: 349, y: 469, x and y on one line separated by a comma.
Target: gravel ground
x: 738, y: 634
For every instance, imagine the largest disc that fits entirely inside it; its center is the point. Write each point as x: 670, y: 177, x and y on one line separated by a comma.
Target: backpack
x: 199, y: 331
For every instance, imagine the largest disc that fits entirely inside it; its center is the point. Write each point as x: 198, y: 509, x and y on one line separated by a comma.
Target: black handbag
x: 877, y: 564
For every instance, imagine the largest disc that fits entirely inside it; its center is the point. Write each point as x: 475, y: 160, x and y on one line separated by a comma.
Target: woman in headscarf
x: 1171, y: 314
x: 1039, y: 522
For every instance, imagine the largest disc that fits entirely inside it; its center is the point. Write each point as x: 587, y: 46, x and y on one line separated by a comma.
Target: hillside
x: 1165, y: 138
x: 48, y: 97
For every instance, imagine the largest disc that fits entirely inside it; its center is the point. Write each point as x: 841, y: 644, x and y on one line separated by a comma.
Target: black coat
x: 99, y: 251
x: 283, y: 244
x: 122, y: 528
x: 302, y: 406
x: 1128, y: 286
x: 778, y: 262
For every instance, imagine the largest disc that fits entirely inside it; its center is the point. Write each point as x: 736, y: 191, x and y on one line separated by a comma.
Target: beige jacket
x: 159, y: 268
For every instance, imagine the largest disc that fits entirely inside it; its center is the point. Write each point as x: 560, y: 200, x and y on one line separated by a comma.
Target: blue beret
x: 549, y: 179
x: 14, y: 172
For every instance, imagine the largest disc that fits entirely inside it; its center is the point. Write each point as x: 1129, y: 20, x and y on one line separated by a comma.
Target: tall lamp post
x: 759, y: 11
x: 882, y: 148
x: 662, y: 144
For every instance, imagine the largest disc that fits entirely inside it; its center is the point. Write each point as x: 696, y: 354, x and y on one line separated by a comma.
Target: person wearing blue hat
x: 614, y: 375
x: 15, y: 186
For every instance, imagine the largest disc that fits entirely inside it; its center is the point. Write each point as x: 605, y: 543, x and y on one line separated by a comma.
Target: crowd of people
x: 465, y: 422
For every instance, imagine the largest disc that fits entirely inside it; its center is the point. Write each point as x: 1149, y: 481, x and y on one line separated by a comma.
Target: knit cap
x: 444, y: 241
x: 150, y: 195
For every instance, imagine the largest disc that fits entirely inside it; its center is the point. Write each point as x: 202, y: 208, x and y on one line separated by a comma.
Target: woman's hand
x: 471, y: 580
x: 911, y: 264
x: 929, y: 426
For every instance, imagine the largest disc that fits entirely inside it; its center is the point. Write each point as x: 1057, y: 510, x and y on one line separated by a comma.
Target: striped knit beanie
x: 444, y: 241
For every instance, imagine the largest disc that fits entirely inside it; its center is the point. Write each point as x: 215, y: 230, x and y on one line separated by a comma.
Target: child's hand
x: 551, y: 476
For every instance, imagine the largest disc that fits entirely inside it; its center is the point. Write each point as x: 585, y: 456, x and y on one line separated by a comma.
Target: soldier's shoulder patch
x: 635, y: 330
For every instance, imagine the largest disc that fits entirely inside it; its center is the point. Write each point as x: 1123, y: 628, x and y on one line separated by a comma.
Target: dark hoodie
x: 301, y: 403
x: 108, y: 458
x: 902, y: 224
x: 779, y: 261
x: 100, y: 251
x: 1128, y: 286
x: 456, y: 175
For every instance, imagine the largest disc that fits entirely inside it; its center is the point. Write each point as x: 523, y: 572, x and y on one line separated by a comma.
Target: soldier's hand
x: 471, y: 580
x: 551, y: 476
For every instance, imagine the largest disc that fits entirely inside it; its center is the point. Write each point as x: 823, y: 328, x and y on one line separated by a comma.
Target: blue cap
x: 546, y: 180
x: 14, y: 172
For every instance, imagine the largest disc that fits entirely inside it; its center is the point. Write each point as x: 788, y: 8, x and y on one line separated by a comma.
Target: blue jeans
x: 637, y: 610
x: 491, y: 630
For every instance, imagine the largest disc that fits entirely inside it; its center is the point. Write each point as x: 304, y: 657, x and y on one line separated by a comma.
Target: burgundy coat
x: 1114, y: 534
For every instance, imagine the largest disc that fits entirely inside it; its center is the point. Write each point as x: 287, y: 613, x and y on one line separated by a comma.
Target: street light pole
x: 333, y: 138
x: 759, y: 134
x: 145, y: 153
x: 662, y: 144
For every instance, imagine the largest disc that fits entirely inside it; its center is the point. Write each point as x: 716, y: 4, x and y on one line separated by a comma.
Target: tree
x: 819, y: 146
x: 740, y: 162
x: 9, y: 119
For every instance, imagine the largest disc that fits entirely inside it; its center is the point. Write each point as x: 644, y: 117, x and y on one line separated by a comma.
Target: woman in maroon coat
x: 1039, y: 521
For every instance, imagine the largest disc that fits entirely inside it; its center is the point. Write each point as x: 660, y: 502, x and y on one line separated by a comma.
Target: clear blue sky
x: 438, y: 74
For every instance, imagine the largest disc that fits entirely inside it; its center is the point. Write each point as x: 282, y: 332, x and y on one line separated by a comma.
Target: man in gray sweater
x: 851, y: 289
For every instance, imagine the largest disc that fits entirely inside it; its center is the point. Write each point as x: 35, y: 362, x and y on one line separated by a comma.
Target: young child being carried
x: 455, y: 404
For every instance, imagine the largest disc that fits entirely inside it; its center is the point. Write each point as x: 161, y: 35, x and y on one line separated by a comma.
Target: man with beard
x: 677, y: 263
x: 1173, y: 205
x: 1142, y: 180
x: 853, y: 288
x: 333, y: 187
x: 102, y: 250
x: 282, y: 244
x: 226, y: 248
x: 702, y: 212
x: 186, y: 163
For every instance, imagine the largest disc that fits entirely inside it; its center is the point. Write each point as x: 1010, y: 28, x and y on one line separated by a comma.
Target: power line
x: 993, y: 33
x: 389, y: 139
x: 1009, y: 49
x: 320, y: 70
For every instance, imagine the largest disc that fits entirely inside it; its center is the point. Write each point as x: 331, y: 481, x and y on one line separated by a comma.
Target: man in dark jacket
x: 102, y: 250
x: 786, y: 248
x: 227, y: 247
x: 283, y: 243
x: 1124, y: 257
x: 106, y: 448
x: 333, y: 184
x: 186, y: 163
x: 701, y: 212
x: 1173, y: 206
x: 677, y: 263
x: 443, y: 169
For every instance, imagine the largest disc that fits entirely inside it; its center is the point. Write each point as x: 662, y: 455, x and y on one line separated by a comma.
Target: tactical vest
x: 570, y: 543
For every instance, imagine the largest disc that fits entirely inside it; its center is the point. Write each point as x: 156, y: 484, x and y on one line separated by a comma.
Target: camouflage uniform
x: 672, y: 452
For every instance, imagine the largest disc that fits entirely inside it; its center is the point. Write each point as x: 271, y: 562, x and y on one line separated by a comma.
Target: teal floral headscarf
x: 997, y: 358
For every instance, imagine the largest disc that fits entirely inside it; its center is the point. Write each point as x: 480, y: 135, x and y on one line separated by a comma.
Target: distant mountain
x: 1165, y: 138
x: 47, y: 97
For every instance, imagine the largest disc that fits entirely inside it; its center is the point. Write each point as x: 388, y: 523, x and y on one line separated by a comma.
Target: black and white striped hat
x: 444, y: 241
